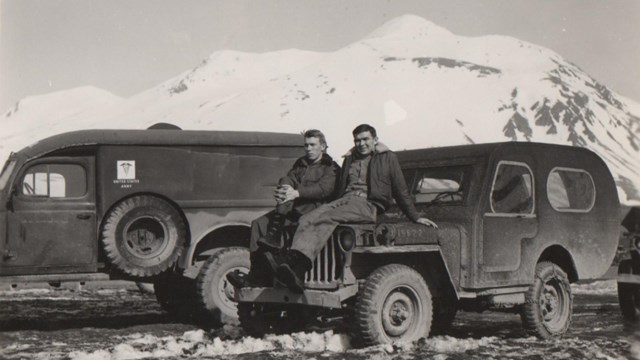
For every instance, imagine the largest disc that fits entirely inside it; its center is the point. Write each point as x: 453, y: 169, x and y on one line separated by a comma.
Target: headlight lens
x: 347, y: 240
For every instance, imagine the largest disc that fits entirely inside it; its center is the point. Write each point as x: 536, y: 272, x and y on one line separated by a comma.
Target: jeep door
x: 52, y: 218
x: 509, y: 220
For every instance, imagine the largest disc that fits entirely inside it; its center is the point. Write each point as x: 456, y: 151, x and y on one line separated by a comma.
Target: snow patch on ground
x: 602, y: 287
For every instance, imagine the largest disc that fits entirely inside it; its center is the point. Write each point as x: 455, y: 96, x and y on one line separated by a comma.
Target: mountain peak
x: 408, y: 26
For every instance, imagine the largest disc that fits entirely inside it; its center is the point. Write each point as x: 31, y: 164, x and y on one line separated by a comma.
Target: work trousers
x: 315, y: 227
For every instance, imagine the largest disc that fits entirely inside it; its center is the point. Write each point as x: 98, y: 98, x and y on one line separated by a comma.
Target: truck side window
x: 570, y: 190
x: 512, y: 190
x: 55, y: 181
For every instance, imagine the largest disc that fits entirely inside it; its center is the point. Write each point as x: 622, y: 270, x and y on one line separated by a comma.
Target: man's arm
x: 319, y: 190
x: 401, y: 193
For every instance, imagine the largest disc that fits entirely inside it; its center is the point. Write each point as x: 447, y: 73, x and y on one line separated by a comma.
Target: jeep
x: 517, y: 223
x: 170, y: 207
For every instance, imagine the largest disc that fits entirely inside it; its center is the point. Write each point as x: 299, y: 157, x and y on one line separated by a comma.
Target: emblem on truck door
x: 126, y: 169
x: 126, y: 173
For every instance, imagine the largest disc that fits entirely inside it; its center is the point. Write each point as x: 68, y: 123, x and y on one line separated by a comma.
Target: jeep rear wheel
x: 548, y: 302
x: 628, y: 295
x: 394, y: 304
x: 143, y: 236
x: 215, y: 294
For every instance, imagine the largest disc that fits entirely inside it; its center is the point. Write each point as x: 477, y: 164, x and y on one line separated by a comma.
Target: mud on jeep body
x: 518, y: 222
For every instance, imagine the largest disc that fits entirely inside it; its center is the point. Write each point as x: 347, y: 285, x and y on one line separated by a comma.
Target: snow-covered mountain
x: 418, y: 83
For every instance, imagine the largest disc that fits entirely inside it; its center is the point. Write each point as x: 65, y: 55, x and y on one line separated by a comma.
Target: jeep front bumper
x: 323, y: 298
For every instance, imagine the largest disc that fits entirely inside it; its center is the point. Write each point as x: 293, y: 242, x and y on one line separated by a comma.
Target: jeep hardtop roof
x: 159, y: 138
x: 436, y: 154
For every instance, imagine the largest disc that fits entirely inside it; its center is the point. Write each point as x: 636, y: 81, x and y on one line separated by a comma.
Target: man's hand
x: 286, y: 193
x: 427, y: 222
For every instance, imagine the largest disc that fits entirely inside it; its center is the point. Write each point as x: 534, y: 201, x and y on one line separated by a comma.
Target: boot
x: 273, y: 237
x: 260, y: 273
x: 292, y: 272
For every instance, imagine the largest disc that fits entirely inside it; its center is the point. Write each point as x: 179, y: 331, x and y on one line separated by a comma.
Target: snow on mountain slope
x: 37, y: 117
x: 418, y: 83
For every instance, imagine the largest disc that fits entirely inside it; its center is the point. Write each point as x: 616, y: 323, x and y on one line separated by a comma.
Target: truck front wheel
x: 215, y: 294
x: 394, y: 304
x: 143, y: 236
x: 548, y: 302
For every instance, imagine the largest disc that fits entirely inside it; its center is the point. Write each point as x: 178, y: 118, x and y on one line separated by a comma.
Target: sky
x: 126, y: 47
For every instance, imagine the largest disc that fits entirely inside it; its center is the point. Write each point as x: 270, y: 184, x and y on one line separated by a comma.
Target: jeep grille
x: 327, y: 267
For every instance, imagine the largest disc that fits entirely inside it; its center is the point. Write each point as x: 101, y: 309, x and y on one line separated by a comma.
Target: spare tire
x: 143, y: 236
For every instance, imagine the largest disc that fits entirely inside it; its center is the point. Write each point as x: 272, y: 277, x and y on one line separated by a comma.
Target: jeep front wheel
x: 548, y: 302
x: 215, y: 294
x: 143, y: 236
x: 394, y: 304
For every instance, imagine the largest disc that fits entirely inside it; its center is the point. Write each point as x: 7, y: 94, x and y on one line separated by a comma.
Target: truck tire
x: 143, y: 236
x: 628, y: 295
x: 548, y: 303
x: 259, y: 319
x: 394, y: 304
x: 215, y: 294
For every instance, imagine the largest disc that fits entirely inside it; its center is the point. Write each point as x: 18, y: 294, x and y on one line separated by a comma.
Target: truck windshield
x: 441, y: 184
x: 6, y: 173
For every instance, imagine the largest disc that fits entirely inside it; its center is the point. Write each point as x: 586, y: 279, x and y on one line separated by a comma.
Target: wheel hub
x: 398, y: 314
x: 145, y: 237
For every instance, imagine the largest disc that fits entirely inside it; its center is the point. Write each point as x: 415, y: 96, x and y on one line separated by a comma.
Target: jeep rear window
x: 570, y: 190
x: 512, y: 189
x: 6, y: 173
x: 440, y: 185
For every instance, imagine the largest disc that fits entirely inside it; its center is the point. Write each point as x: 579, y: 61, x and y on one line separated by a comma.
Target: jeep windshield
x: 6, y: 173
x: 444, y: 184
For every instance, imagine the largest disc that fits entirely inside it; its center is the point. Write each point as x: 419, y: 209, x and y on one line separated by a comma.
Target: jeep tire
x: 548, y: 302
x: 394, y: 304
x: 215, y: 294
x: 628, y: 294
x: 143, y: 236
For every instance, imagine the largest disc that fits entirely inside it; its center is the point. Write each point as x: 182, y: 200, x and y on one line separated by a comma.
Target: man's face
x: 313, y: 148
x: 365, y: 143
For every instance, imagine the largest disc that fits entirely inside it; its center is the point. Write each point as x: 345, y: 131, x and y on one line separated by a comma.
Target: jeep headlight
x: 347, y: 239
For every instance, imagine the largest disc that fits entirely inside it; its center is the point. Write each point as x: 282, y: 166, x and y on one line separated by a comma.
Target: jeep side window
x: 55, y: 181
x: 570, y: 190
x: 440, y: 185
x: 512, y: 190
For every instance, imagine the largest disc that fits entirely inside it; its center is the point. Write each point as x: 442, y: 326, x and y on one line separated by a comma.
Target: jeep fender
x: 426, y: 259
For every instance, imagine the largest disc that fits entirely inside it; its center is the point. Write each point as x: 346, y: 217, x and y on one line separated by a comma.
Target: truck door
x: 52, y: 221
x: 509, y: 219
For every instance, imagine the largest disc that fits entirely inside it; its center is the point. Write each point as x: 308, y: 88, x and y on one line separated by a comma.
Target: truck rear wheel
x: 143, y: 236
x: 628, y: 295
x: 548, y: 302
x: 259, y: 319
x: 215, y: 294
x: 394, y: 304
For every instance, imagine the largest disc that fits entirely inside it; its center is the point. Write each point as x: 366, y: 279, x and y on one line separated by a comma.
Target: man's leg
x: 261, y: 272
x: 314, y: 230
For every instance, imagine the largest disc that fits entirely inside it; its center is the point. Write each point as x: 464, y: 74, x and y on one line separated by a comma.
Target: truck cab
x: 169, y: 207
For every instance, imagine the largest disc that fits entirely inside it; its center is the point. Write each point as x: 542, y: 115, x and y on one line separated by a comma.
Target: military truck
x: 168, y: 207
x: 517, y: 223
